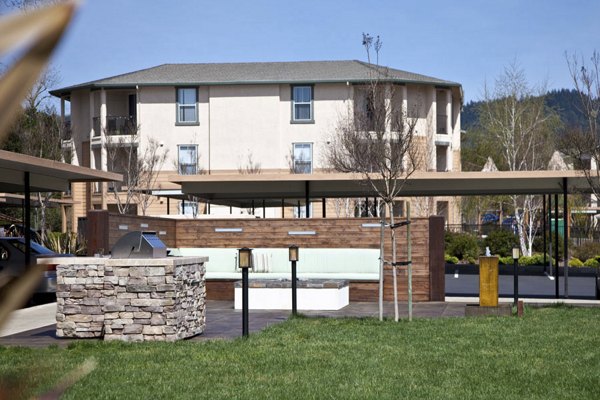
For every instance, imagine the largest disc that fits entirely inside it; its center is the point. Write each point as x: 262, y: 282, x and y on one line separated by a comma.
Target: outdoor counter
x: 130, y: 299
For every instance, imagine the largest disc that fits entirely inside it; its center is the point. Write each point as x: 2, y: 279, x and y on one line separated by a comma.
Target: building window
x: 441, y: 158
x: 187, y: 106
x: 302, y: 158
x: 442, y: 210
x: 187, y: 207
x: 302, y: 103
x: 188, y: 159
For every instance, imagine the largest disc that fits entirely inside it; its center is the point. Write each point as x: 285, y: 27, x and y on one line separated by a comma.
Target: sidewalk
x: 531, y: 301
x: 29, y: 318
x: 35, y: 327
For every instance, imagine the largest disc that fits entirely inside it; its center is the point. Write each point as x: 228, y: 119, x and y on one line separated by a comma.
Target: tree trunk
x: 394, y: 273
x: 381, y: 261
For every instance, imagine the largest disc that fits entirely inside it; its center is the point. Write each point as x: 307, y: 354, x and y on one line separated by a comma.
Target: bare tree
x: 250, y: 166
x: 375, y: 140
x: 514, y: 116
x: 139, y: 170
x: 583, y: 143
x: 149, y: 164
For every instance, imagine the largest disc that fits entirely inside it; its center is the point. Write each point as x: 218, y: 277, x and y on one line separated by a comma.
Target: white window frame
x: 181, y: 106
x: 309, y: 102
x: 310, y: 147
x: 186, y: 147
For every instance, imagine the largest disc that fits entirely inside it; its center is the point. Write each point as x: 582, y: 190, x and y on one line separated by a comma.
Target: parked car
x: 489, y: 218
x: 12, y: 261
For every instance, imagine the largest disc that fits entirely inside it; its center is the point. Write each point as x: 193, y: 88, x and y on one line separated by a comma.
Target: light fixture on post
x: 245, y: 263
x: 294, y: 257
x: 515, y: 255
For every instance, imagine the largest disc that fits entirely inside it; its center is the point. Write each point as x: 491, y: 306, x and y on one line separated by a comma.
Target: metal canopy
x: 241, y: 189
x: 45, y: 175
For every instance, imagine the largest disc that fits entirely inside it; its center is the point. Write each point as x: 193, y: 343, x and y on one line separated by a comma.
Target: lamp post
x: 294, y: 256
x: 245, y: 262
x: 515, y: 255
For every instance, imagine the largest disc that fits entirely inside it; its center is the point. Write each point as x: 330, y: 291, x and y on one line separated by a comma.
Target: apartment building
x: 224, y: 118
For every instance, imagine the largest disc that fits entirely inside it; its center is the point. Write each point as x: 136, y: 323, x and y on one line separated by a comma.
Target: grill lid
x: 139, y: 244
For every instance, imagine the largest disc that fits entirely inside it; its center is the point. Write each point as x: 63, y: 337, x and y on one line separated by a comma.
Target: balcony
x: 116, y: 126
x: 442, y: 120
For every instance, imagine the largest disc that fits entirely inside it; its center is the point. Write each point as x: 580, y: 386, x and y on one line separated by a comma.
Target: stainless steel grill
x: 139, y: 244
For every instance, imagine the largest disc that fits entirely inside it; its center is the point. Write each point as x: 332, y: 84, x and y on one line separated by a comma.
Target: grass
x: 550, y: 353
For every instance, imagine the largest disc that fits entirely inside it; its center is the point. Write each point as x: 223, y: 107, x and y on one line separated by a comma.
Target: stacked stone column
x: 131, y: 299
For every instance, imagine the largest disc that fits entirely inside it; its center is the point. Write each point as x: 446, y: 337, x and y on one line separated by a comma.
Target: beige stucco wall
x: 238, y: 120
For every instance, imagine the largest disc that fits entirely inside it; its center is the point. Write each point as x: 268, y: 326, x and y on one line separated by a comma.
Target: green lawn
x: 550, y: 353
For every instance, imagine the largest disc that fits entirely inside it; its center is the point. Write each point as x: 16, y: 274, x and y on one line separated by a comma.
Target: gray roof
x: 257, y: 73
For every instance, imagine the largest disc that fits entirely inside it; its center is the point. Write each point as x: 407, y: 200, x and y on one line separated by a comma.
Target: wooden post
x: 488, y: 281
x: 97, y: 232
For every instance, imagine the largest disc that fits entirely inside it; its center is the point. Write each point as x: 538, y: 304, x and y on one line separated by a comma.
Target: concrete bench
x: 273, y: 263
x: 276, y: 294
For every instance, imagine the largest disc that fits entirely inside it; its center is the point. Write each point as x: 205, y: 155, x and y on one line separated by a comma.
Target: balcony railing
x: 116, y: 125
x: 442, y: 119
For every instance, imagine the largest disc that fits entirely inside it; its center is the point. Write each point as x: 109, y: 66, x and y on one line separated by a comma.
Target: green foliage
x: 464, y: 246
x: 591, y: 262
x: 65, y: 243
x: 501, y: 242
x: 586, y: 250
x: 330, y: 358
x: 536, y: 259
x: 566, y: 102
x: 538, y: 244
x: 575, y: 262
x: 451, y: 259
x: 508, y: 260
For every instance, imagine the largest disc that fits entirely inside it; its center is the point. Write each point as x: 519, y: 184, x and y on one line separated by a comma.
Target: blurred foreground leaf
x: 41, y: 30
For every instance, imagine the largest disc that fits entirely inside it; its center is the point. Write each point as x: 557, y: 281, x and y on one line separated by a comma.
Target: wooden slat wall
x: 330, y: 233
x: 134, y: 223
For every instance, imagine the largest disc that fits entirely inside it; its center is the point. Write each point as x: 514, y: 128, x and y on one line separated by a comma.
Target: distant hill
x: 565, y: 102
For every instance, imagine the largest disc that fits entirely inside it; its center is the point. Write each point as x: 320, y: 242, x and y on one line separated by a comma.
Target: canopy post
x: 566, y: 238
x: 307, y: 194
x: 556, y: 287
x: 27, y: 220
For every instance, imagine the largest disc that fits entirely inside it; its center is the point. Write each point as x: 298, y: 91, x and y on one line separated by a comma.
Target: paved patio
x: 223, y: 322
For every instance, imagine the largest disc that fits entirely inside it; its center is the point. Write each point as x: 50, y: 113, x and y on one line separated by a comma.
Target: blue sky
x: 464, y: 41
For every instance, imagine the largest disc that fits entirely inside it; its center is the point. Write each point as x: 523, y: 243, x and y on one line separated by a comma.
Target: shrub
x: 538, y: 244
x: 591, y: 262
x: 586, y: 250
x: 450, y: 259
x: 527, y: 260
x: 501, y: 242
x: 575, y: 262
x: 464, y: 246
x: 536, y: 259
x: 65, y: 243
x: 506, y: 260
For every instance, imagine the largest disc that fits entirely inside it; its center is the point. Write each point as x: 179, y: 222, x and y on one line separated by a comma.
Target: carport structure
x: 25, y: 174
x: 243, y: 190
